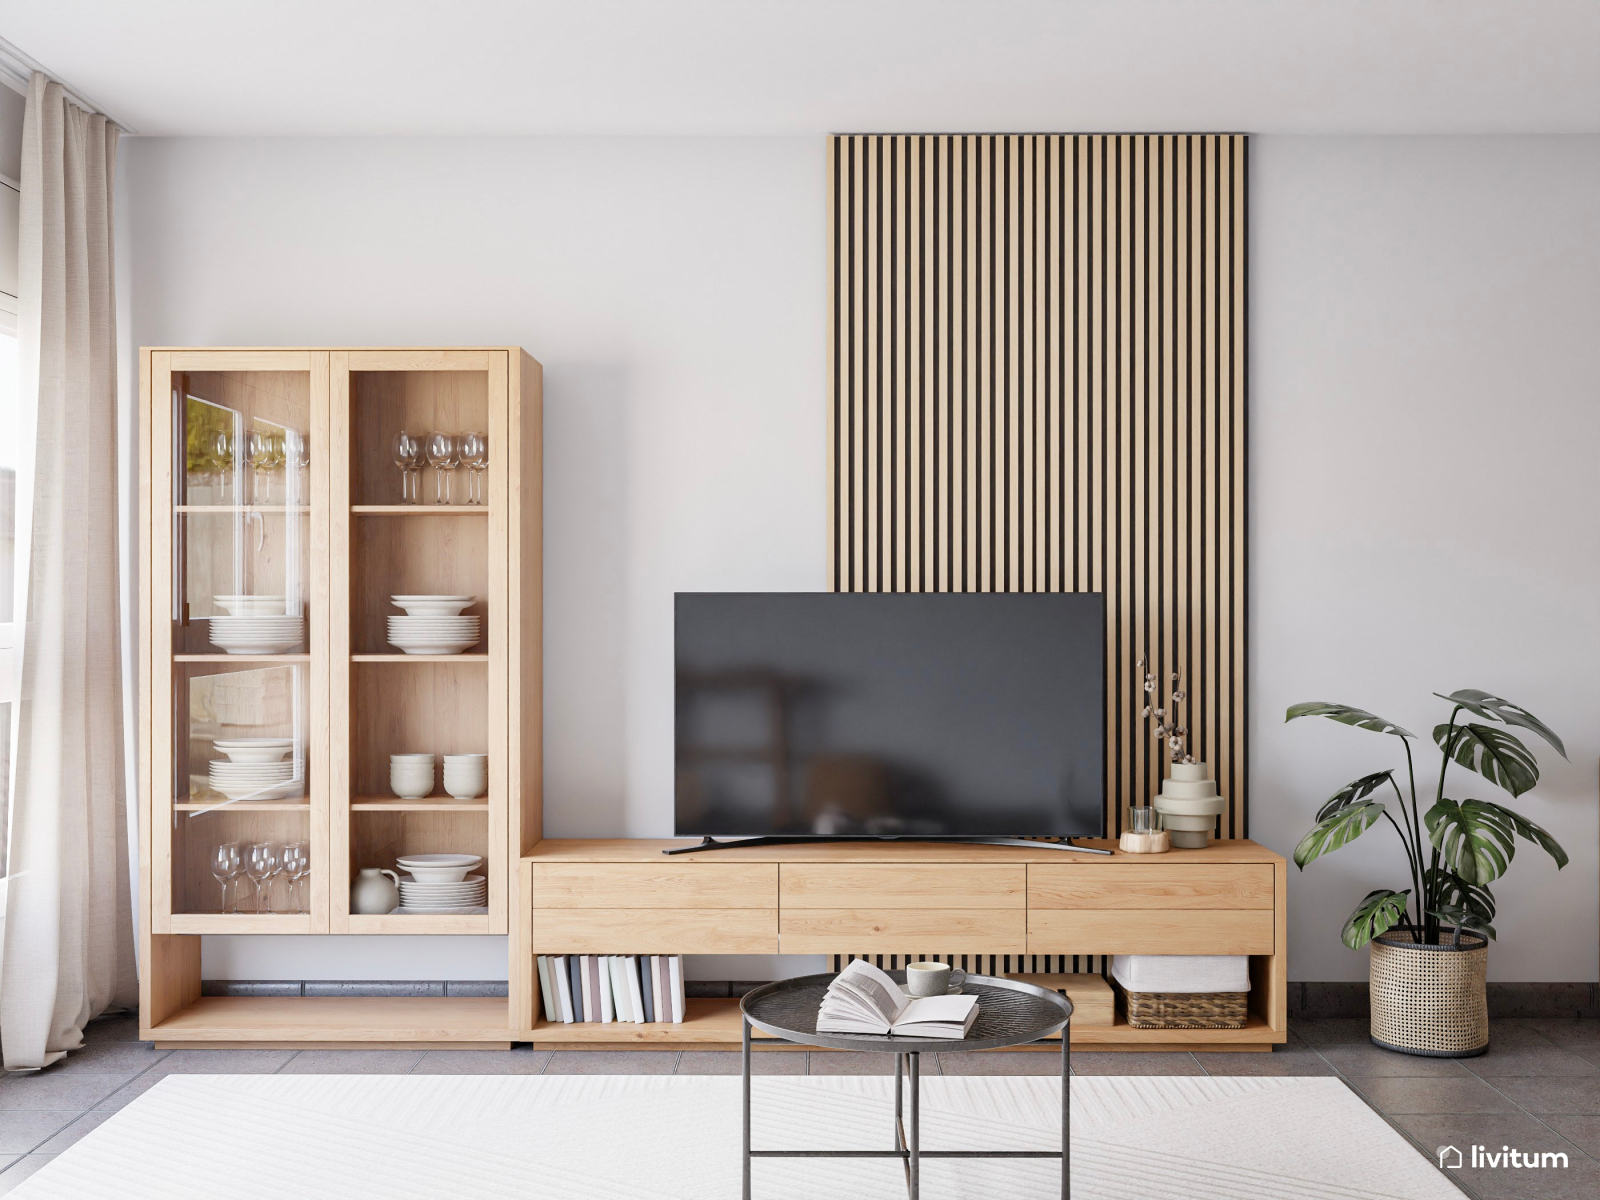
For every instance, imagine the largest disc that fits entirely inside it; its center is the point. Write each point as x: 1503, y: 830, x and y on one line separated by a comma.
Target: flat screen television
x: 905, y: 715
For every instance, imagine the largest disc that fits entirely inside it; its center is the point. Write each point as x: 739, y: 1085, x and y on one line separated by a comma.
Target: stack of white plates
x: 439, y: 883
x: 254, y: 781
x: 433, y: 626
x: 254, y: 749
x: 251, y: 606
x: 468, y: 896
x: 257, y: 634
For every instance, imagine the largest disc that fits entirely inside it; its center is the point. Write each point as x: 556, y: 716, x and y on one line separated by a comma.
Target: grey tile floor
x: 1538, y: 1088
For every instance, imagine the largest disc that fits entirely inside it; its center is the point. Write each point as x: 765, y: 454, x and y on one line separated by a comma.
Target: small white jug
x: 374, y: 895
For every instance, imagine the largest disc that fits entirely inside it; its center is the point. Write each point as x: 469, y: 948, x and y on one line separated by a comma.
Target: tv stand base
x: 710, y: 843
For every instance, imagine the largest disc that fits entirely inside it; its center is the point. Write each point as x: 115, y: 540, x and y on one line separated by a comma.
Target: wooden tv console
x: 626, y: 897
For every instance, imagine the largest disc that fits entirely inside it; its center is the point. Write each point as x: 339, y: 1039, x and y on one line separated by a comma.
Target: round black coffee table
x: 1010, y: 1013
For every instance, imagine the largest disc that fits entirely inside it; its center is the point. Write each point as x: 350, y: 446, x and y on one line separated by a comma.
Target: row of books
x: 612, y: 987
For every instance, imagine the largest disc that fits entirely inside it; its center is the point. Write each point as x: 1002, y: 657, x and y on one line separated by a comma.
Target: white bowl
x: 479, y: 759
x: 442, y: 606
x: 411, y: 789
x: 439, y: 860
x: 419, y: 758
x: 438, y: 874
x: 252, y: 606
x: 420, y: 647
x: 254, y: 741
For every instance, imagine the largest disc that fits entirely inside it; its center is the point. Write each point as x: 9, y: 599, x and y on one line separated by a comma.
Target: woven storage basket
x: 1430, y: 1000
x: 1185, y: 1010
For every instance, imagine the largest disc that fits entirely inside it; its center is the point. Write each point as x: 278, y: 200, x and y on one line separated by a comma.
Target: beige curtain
x: 68, y: 946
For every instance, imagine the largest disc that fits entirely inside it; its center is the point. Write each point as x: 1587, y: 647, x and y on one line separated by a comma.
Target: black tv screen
x: 905, y: 714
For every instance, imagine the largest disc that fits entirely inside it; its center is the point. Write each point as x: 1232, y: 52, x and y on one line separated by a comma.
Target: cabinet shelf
x: 242, y: 508
x: 241, y: 658
x: 242, y: 805
x: 413, y: 1020
x: 420, y: 510
x: 426, y: 804
x: 418, y: 658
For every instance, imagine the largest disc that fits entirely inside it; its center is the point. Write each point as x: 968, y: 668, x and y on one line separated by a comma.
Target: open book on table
x: 864, y: 999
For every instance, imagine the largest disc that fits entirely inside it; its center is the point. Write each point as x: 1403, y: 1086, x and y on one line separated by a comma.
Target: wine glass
x: 475, y: 457
x: 409, y: 455
x: 443, y: 455
x: 297, y: 453
x: 258, y: 449
x: 277, y: 457
x: 296, y: 865
x: 260, y: 867
x: 223, y: 446
x: 225, y: 868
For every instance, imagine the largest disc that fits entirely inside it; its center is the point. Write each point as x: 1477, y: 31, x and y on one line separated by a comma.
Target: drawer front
x: 1155, y: 885
x: 702, y: 884
x: 877, y: 885
x: 1154, y: 931
x: 901, y: 931
x: 640, y: 931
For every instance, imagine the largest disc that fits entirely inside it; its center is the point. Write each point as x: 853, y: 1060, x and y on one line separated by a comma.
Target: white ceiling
x: 335, y: 67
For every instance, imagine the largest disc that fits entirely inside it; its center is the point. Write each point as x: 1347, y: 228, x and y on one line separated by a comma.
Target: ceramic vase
x: 1189, y: 805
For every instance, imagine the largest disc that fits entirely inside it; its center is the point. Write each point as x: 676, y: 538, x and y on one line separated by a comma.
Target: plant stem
x: 1413, y: 856
x: 1432, y: 924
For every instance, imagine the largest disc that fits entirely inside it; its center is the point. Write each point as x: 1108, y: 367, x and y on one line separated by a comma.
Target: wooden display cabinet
x: 271, y: 472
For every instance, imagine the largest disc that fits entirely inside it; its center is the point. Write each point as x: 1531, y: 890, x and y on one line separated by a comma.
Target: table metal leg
x: 745, y: 1061
x: 1066, y: 1112
x: 915, y: 1147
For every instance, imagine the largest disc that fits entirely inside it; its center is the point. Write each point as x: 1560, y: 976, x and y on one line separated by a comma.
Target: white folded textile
x: 1182, y: 972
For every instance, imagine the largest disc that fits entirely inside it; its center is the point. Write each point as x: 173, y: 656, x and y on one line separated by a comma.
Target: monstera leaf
x: 1352, y: 792
x: 1380, y: 912
x: 1475, y: 839
x: 1457, y: 902
x: 1493, y: 753
x: 1493, y: 708
x: 1344, y: 826
x: 1528, y: 831
x: 1345, y: 715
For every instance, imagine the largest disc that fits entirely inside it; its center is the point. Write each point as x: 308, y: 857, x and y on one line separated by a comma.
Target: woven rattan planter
x: 1185, y: 1010
x: 1430, y: 1000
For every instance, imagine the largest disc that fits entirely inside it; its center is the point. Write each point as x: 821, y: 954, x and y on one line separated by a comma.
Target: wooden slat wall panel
x: 1037, y: 373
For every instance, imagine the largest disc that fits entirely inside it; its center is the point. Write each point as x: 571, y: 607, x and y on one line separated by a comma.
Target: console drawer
x: 1149, y: 931
x: 881, y: 885
x: 901, y: 931
x: 1156, y: 885
x: 665, y: 884
x: 641, y: 931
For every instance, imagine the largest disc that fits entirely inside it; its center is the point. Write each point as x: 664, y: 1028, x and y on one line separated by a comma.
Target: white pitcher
x: 374, y: 895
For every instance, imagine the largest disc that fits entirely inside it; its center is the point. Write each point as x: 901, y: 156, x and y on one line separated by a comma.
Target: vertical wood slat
x: 1037, y: 371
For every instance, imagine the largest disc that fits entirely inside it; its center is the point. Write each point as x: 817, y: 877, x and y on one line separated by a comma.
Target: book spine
x: 602, y: 976
x: 551, y: 1013
x: 658, y: 980
x: 562, y: 978
x: 675, y: 973
x: 575, y: 971
x: 630, y: 970
x: 646, y: 995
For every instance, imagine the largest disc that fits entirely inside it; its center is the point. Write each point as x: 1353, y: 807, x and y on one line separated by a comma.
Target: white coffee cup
x: 927, y: 978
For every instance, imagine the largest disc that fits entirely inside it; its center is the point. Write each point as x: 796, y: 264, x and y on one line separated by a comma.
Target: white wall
x: 1425, y: 419
x: 674, y: 290
x: 1423, y: 422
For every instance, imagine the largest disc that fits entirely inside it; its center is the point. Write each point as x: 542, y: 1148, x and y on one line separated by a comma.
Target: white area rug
x: 675, y: 1137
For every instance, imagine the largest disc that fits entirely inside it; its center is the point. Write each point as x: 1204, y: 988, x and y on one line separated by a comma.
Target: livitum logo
x: 1451, y: 1158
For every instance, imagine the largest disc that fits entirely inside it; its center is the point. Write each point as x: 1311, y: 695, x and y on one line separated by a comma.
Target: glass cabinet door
x: 239, y: 641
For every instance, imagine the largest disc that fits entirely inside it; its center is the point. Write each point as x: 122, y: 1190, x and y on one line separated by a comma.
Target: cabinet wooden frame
x: 622, y: 896
x: 504, y: 822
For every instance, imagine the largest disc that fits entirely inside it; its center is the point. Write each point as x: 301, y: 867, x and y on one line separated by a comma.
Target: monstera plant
x: 1455, y: 849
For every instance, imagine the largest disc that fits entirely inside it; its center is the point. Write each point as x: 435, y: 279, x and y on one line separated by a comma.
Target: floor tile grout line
x: 1530, y: 1113
x: 1396, y: 1126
